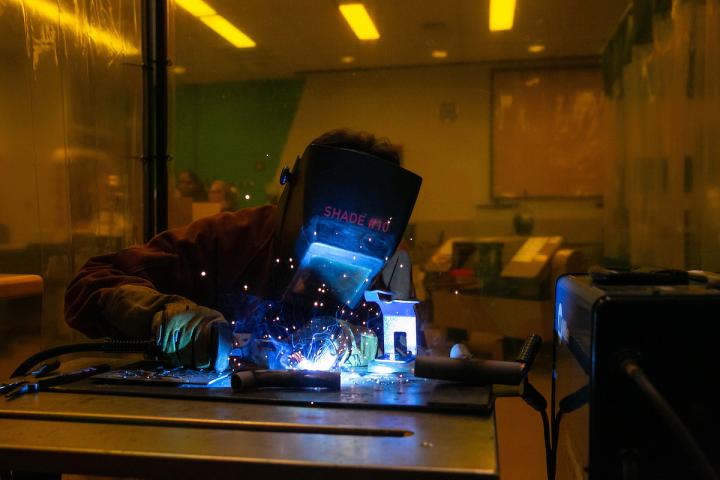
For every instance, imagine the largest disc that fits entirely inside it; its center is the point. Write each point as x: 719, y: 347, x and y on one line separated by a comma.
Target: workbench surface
x: 139, y: 437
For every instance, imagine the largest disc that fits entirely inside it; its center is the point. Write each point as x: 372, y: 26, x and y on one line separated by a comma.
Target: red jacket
x: 217, y: 262
x: 210, y: 258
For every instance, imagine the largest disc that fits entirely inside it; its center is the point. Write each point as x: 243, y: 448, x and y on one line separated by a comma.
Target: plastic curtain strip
x: 663, y: 197
x: 70, y: 140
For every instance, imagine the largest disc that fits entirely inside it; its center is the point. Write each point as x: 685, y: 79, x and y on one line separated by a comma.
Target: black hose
x: 569, y: 403
x: 700, y: 462
x: 555, y: 437
x: 106, y: 346
x: 548, y: 446
x: 537, y: 401
x: 471, y: 371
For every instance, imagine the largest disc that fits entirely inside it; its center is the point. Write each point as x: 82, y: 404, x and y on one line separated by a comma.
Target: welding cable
x: 702, y: 465
x: 106, y: 346
x: 568, y: 404
x: 537, y: 401
x: 549, y: 464
x: 526, y: 357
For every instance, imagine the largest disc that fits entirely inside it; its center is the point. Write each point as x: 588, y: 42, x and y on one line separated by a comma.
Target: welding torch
x: 481, y: 372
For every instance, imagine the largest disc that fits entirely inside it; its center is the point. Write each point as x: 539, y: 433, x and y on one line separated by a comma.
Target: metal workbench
x: 149, y: 437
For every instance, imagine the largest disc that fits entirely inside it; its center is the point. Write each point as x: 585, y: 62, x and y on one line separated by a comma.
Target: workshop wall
x: 440, y: 116
x: 70, y: 149
x: 235, y: 131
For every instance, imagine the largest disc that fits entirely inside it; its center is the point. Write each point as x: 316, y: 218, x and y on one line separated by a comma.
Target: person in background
x: 189, y: 185
x: 225, y: 194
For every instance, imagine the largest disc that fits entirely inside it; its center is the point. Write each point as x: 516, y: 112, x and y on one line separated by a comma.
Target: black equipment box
x: 607, y: 427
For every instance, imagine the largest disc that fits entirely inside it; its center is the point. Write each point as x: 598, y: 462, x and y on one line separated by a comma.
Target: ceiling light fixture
x: 219, y: 24
x: 439, y: 54
x: 502, y: 13
x: 359, y: 20
x: 537, y: 48
x: 51, y: 12
x: 347, y: 59
x: 178, y: 69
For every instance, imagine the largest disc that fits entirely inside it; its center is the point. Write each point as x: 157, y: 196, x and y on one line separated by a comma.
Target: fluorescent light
x: 439, y: 54
x: 537, y: 48
x: 206, y: 14
x: 502, y: 13
x: 228, y: 31
x: 51, y: 12
x: 359, y: 20
x: 197, y: 8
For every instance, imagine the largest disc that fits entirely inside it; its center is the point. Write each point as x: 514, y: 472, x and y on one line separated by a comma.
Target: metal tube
x: 475, y: 372
x: 161, y: 115
x: 148, y: 140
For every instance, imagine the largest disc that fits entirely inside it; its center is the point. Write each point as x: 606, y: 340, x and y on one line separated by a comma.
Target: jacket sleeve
x: 117, y: 295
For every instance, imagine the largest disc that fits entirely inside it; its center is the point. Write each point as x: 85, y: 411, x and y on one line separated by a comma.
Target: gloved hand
x: 193, y: 336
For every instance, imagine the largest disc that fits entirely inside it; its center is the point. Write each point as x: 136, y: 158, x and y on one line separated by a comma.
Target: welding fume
x: 271, y: 287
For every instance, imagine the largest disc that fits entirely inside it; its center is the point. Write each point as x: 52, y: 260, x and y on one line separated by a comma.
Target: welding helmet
x: 342, y: 215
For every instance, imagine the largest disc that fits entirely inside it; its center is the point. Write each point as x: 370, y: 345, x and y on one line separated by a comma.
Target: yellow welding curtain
x: 662, y: 83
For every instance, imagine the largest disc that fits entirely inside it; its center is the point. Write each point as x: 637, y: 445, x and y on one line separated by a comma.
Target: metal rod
x: 204, y: 423
x: 161, y: 115
x: 148, y: 137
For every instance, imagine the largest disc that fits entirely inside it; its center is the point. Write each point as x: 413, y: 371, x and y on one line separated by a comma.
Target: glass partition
x: 70, y: 147
x: 503, y: 123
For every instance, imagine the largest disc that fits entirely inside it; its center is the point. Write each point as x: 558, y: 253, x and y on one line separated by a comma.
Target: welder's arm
x: 186, y: 334
x: 120, y: 295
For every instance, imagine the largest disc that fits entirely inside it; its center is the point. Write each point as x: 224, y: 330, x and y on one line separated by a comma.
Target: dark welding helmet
x: 342, y: 215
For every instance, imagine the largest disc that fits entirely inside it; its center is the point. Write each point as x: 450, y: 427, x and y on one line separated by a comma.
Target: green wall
x: 235, y: 131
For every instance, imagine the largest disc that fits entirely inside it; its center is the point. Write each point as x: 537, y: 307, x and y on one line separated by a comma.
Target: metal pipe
x: 475, y: 372
x: 161, y: 115
x: 148, y: 137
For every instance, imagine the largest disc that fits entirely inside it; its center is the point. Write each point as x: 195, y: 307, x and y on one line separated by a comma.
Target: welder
x: 334, y: 233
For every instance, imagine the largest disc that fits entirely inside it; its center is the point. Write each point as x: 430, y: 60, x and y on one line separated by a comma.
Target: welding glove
x: 187, y: 334
x: 193, y: 336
